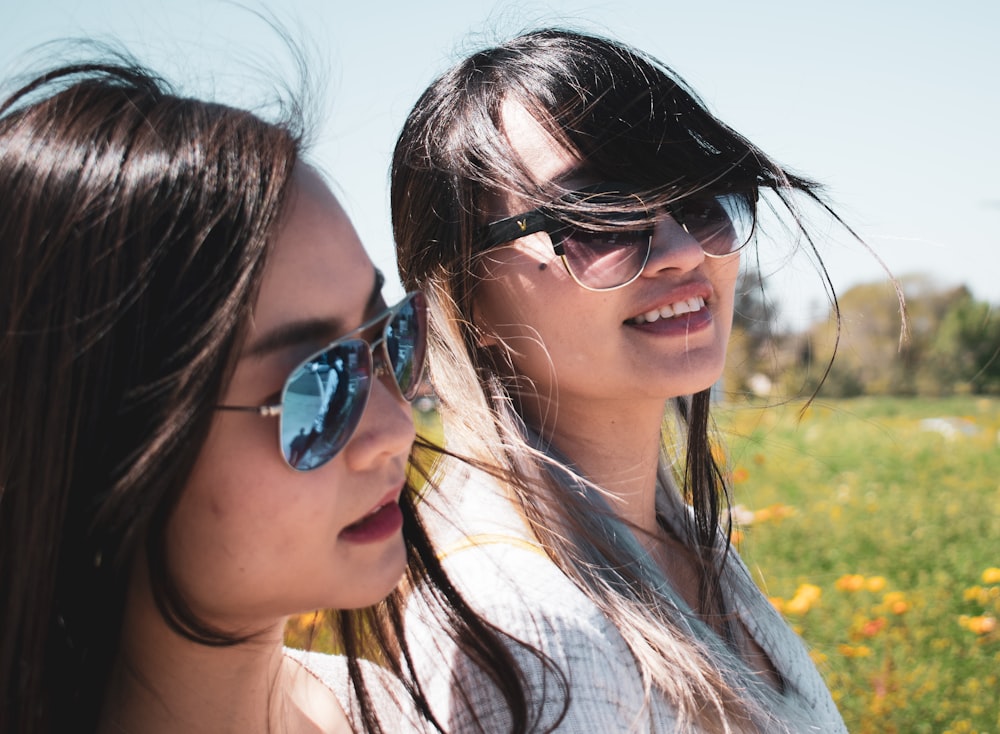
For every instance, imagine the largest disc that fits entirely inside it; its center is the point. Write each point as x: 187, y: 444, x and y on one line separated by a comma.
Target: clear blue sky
x: 895, y: 105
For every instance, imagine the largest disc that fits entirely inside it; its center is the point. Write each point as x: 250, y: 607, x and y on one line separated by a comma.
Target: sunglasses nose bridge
x: 672, y: 245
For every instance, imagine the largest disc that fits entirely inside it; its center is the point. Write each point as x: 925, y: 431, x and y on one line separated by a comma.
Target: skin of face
x: 252, y: 540
x: 577, y: 346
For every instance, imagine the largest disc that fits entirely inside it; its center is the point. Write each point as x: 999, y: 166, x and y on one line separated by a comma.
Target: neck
x: 617, y: 446
x: 164, y: 682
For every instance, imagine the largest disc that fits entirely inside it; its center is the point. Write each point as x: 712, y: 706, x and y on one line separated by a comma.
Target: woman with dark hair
x: 177, y: 285
x: 577, y: 218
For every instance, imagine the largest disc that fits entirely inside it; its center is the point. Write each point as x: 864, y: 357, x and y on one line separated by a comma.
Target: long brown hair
x: 631, y: 119
x: 134, y: 232
x: 134, y: 228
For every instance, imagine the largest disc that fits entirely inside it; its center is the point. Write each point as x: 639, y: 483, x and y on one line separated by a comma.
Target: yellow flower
x: 795, y: 605
x: 854, y: 651
x: 875, y: 584
x: 805, y: 597
x: 973, y: 593
x: 810, y: 592
x: 991, y: 576
x: 719, y: 454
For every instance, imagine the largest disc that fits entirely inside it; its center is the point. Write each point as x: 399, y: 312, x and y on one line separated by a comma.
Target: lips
x: 383, y: 521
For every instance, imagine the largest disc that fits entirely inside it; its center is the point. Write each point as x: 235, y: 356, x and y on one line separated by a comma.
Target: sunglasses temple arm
x: 264, y: 410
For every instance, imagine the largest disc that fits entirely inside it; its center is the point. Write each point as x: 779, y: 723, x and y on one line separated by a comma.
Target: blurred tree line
x: 953, y: 345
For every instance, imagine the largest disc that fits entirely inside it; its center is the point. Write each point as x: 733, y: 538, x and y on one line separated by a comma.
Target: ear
x: 484, y: 337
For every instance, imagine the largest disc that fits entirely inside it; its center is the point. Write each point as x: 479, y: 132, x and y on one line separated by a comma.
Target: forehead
x: 542, y: 156
x: 317, y: 267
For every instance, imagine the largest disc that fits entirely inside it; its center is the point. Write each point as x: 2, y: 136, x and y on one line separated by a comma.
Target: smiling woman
x: 173, y: 274
x: 577, y: 219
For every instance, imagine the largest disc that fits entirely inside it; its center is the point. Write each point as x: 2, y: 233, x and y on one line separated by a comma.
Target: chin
x: 706, y: 373
x: 696, y: 381
x: 370, y: 583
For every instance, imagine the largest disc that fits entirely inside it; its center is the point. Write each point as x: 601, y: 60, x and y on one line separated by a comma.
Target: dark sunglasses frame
x: 377, y: 363
x: 560, y: 229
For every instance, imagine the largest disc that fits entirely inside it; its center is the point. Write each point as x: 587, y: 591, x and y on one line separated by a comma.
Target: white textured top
x: 392, y: 705
x: 493, y: 559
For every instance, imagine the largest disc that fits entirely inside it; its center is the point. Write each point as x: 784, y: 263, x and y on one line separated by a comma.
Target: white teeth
x: 674, y: 309
x: 688, y: 306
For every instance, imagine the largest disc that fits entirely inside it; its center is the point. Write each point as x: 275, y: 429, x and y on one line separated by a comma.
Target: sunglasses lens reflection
x: 325, y: 397
x: 604, y: 259
x: 721, y: 224
x: 322, y: 403
x: 405, y: 341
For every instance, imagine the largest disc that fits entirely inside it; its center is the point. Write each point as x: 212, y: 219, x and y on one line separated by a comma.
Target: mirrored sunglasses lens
x: 605, y: 259
x: 405, y: 343
x: 322, y: 403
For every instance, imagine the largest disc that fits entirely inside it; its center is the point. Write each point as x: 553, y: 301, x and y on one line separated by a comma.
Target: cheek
x: 219, y: 508
x: 514, y: 319
x: 522, y: 290
x: 232, y: 492
x: 724, y: 276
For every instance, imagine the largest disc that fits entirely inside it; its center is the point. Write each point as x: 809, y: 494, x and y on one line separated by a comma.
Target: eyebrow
x: 312, y: 330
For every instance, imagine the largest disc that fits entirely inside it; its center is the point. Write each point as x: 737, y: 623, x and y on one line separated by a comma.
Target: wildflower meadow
x: 873, y: 524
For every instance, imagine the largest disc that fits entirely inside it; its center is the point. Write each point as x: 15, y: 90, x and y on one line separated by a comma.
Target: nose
x: 672, y: 247
x: 385, y: 432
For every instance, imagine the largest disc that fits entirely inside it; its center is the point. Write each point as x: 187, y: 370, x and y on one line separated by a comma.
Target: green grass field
x: 875, y: 528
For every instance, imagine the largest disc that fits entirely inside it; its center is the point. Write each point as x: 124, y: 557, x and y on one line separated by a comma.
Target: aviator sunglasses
x: 602, y: 251
x: 324, y: 397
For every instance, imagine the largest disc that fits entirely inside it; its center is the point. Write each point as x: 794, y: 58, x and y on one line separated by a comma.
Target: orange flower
x: 873, y: 626
x: 740, y: 475
x: 774, y: 512
x: 980, y: 625
x: 850, y: 582
x: 895, y: 602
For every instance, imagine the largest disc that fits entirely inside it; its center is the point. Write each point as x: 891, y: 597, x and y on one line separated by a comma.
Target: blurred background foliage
x: 952, y: 347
